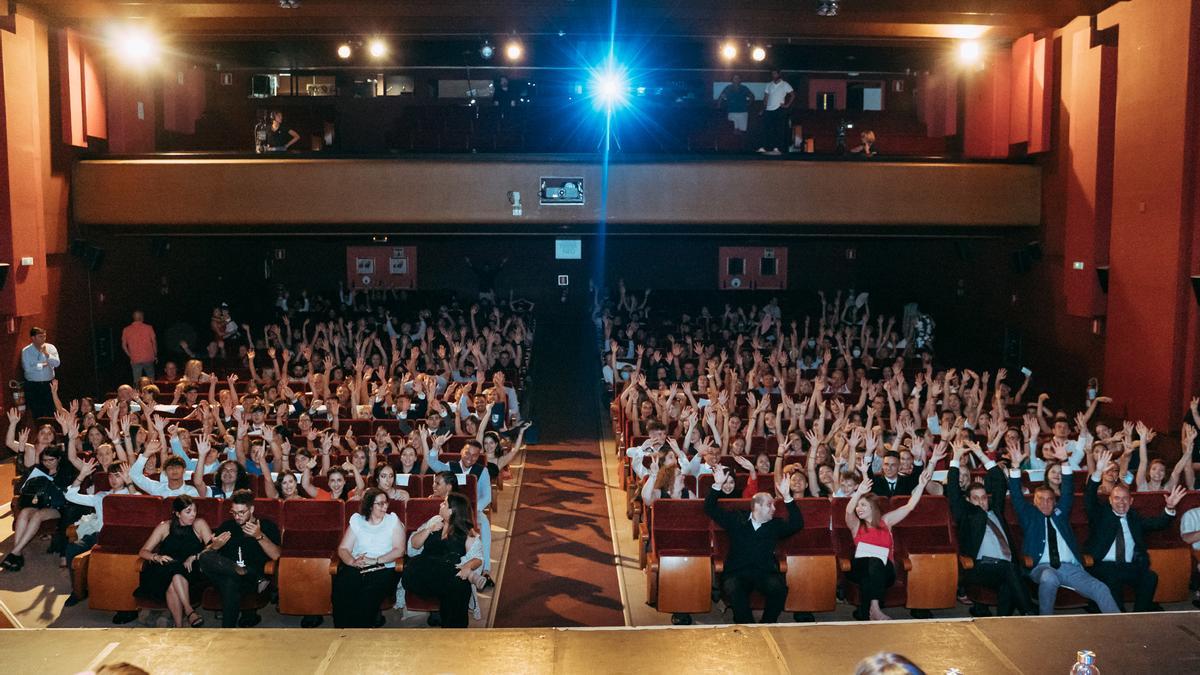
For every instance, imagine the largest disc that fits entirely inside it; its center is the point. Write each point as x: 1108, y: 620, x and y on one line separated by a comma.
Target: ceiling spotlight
x: 135, y: 45
x: 729, y: 51
x: 289, y: 4
x: 377, y: 48
x: 827, y: 7
x: 513, y: 50
x: 758, y: 53
x: 344, y: 51
x: 610, y: 86
x: 486, y: 51
x: 969, y: 52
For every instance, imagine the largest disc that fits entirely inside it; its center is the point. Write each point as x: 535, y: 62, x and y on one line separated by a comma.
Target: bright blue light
x: 610, y: 86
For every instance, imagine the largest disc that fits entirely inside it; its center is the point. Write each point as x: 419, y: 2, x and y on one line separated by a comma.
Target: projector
x: 561, y: 191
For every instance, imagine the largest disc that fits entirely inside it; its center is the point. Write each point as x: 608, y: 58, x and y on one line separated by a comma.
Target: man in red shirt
x: 140, y: 345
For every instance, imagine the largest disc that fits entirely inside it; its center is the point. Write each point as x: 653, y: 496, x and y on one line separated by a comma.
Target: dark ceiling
x: 858, y: 21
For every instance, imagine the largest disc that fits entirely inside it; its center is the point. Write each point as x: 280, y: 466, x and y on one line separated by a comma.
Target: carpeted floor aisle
x: 560, y: 569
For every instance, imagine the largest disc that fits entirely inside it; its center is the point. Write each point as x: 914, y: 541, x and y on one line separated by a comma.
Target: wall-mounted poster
x: 381, y: 267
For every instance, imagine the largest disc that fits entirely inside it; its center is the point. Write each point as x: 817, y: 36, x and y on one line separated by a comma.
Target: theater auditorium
x: 566, y: 336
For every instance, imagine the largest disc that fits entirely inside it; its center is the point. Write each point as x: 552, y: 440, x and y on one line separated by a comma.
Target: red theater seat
x: 112, y: 567
x: 417, y: 513
x: 311, y: 533
x: 811, y: 559
x: 926, y: 547
x: 679, y: 564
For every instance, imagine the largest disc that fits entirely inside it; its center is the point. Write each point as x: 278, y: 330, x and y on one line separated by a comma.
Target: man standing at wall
x: 736, y: 99
x: 777, y: 101
x: 140, y: 345
x: 39, y: 359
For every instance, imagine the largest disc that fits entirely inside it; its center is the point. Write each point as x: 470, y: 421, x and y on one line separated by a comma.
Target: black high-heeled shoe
x: 196, y: 622
x: 13, y: 562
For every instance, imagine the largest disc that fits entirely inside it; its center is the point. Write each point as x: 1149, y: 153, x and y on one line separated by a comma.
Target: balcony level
x: 196, y: 194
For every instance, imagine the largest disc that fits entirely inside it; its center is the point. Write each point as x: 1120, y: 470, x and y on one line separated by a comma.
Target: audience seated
x: 849, y: 396
x: 329, y: 413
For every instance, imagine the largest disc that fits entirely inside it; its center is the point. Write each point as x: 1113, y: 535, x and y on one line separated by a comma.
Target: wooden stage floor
x: 1166, y: 642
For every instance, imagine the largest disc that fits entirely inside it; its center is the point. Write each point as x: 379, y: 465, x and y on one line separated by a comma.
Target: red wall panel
x: 1151, y: 327
x: 94, y: 109
x: 1041, y: 104
x: 70, y: 60
x: 985, y: 129
x: 131, y: 112
x: 1019, y: 99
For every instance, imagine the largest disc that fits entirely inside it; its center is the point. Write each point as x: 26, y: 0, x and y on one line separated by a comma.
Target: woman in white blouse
x: 369, y: 550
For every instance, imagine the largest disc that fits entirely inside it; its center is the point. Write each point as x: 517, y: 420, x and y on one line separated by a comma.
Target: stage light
x: 729, y: 51
x: 828, y: 7
x: 344, y: 51
x: 970, y: 52
x: 610, y: 87
x: 377, y: 48
x: 487, y: 51
x: 758, y: 53
x: 134, y: 45
x: 513, y: 51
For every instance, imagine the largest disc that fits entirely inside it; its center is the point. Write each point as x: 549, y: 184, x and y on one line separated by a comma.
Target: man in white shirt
x: 778, y: 96
x: 171, y: 481
x: 38, y: 360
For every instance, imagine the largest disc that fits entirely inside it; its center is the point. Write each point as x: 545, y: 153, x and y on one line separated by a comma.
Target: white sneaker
x: 774, y: 151
x: 761, y: 150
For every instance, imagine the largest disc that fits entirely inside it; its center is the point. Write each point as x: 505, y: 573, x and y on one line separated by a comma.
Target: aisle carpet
x: 560, y: 569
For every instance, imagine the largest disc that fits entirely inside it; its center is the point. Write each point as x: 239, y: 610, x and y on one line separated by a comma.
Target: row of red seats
x: 684, y: 548
x: 310, y: 533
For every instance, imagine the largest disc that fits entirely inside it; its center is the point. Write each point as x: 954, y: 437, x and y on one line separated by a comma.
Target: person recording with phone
x: 236, y: 556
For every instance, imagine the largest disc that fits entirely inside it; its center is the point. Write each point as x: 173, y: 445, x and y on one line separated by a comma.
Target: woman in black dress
x: 170, y: 554
x: 445, y: 554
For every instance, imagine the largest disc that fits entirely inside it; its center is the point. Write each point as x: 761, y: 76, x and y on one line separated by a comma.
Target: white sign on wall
x: 568, y: 249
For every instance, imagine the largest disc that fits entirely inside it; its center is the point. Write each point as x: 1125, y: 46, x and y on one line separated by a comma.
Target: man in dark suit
x: 983, y: 535
x: 1050, y: 543
x: 751, y: 564
x: 890, y: 483
x: 1118, y: 540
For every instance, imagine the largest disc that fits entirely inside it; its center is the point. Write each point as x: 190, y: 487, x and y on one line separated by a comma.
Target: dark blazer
x: 1033, y: 523
x: 1105, y: 524
x: 904, y: 484
x: 972, y: 521
x: 752, y: 551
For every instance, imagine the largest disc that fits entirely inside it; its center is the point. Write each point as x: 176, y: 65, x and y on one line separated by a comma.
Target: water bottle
x: 1085, y: 663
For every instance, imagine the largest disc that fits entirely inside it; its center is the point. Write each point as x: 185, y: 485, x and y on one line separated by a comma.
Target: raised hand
x: 1145, y: 433
x: 1059, y: 449
x: 1174, y: 497
x: 1188, y: 437
x: 720, y: 474
x: 864, y: 487
x: 1103, y: 459
x: 744, y: 463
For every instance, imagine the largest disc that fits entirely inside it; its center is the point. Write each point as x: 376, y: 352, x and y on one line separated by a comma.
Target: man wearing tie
x: 1118, y: 542
x: 891, y: 483
x: 1050, y: 543
x: 983, y: 535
